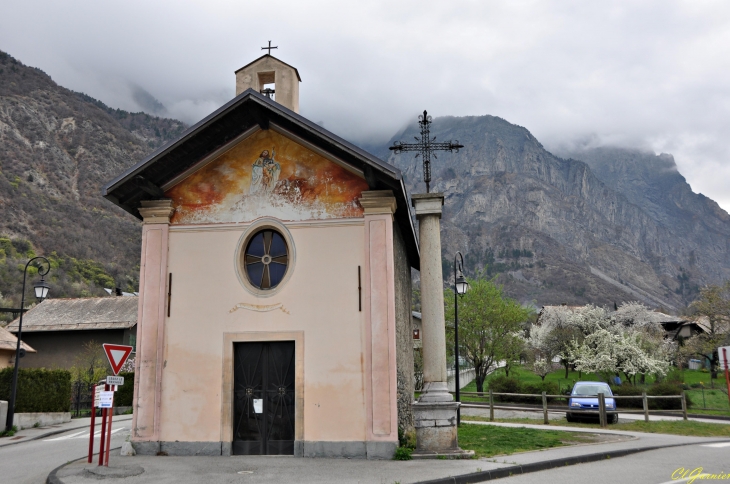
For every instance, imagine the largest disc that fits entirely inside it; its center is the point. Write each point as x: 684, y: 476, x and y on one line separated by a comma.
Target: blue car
x: 584, y: 397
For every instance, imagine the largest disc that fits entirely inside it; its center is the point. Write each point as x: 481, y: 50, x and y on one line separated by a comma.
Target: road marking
x: 78, y: 435
x: 717, y: 445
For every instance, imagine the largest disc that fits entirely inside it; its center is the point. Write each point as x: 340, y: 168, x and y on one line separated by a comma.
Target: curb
x: 484, y: 476
x: 54, y: 432
x: 54, y: 479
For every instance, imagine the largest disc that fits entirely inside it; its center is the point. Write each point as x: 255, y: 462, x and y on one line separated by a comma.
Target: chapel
x: 275, y: 285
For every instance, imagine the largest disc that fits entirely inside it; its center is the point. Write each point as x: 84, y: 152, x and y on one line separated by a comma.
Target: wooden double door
x: 263, y: 398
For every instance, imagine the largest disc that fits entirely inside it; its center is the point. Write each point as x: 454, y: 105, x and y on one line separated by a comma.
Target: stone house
x: 59, y: 329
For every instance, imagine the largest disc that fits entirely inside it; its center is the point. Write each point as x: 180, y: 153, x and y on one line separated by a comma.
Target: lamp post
x: 460, y: 288
x: 41, y: 291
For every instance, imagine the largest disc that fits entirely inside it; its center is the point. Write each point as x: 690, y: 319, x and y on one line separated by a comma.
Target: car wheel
x: 613, y: 419
x: 569, y: 417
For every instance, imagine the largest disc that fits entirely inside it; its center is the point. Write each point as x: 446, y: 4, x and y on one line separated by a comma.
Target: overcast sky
x: 648, y: 74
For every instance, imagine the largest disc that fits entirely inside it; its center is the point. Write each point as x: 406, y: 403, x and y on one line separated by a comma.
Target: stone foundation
x: 349, y: 450
x: 435, y: 426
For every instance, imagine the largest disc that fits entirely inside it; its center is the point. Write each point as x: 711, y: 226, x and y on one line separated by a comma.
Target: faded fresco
x: 267, y: 175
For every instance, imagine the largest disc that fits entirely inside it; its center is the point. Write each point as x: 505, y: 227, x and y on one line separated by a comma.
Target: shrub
x: 658, y: 389
x: 664, y: 389
x: 125, y: 393
x: 627, y: 391
x: 39, y: 390
x: 402, y: 453
x: 504, y: 384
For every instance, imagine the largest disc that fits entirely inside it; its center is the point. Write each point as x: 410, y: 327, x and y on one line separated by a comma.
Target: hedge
x: 505, y: 384
x: 125, y: 393
x: 39, y: 390
x: 658, y: 389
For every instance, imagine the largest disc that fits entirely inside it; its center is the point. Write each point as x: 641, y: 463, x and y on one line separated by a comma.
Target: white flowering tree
x: 613, y: 349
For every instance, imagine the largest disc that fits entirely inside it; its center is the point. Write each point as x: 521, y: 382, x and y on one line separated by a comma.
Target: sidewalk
x: 34, y: 433
x: 258, y: 469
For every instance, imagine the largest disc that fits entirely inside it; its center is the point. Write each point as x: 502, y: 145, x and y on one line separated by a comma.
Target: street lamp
x: 41, y: 292
x: 460, y: 288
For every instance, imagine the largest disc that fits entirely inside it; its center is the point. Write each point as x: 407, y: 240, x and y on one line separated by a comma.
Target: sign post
x: 117, y: 355
x: 723, y: 353
x: 93, y: 418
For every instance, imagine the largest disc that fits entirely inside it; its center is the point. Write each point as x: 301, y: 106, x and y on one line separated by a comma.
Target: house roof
x: 276, y: 59
x: 8, y: 341
x: 80, y: 314
x: 251, y: 110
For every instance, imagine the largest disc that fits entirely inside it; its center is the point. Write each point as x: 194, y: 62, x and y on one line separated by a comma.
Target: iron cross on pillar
x: 425, y: 146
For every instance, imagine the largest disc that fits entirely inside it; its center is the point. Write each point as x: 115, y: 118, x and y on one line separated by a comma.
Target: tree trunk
x: 480, y: 383
x: 567, y: 367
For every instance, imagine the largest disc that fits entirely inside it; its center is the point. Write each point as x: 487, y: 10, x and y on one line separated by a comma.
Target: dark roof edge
x: 275, y: 58
x: 250, y: 93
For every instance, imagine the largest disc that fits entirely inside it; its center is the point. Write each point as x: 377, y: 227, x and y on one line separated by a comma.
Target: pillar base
x: 435, y: 392
x: 436, y: 430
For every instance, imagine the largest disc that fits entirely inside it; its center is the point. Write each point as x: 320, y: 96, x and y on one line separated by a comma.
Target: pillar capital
x: 156, y: 211
x: 376, y: 202
x: 427, y: 204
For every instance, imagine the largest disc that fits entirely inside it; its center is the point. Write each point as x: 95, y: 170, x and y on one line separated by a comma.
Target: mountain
x: 621, y: 225
x: 57, y: 147
x: 602, y: 225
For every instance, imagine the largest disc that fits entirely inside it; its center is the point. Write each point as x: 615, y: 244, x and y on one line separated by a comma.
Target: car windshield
x: 591, y: 390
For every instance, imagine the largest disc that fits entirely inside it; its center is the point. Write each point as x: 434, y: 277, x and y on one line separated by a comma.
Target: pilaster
x: 379, y: 308
x: 151, y: 319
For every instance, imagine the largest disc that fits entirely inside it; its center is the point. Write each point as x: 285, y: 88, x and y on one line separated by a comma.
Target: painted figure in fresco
x: 265, y: 173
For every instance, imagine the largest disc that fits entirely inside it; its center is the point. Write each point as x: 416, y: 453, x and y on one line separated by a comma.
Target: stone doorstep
x: 445, y: 454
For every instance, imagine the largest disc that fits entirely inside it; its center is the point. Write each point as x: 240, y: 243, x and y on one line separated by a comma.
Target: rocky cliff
x: 620, y: 226
x: 57, y: 148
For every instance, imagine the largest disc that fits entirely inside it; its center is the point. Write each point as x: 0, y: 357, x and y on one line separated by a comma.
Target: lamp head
x: 41, y: 289
x: 460, y: 284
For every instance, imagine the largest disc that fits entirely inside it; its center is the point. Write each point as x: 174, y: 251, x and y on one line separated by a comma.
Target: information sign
x: 115, y: 380
x: 724, y: 357
x: 97, y: 391
x: 106, y: 399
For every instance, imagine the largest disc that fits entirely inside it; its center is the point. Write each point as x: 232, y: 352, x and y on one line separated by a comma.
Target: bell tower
x: 272, y: 78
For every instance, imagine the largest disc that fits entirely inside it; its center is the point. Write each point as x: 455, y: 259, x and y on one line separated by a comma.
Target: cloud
x: 653, y: 74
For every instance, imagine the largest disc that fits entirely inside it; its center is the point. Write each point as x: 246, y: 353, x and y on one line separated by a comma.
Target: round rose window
x: 266, y: 259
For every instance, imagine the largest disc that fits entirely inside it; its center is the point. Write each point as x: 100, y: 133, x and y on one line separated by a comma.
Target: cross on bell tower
x: 425, y: 146
x: 269, y: 48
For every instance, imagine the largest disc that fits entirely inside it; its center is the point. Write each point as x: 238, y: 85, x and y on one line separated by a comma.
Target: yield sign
x: 117, y: 355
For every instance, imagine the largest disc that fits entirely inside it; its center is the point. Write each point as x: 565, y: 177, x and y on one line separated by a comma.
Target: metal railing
x: 602, y: 412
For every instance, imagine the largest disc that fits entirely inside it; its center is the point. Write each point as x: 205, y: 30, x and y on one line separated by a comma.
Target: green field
x: 714, y: 398
x: 687, y: 376
x: 675, y: 427
x: 491, y: 440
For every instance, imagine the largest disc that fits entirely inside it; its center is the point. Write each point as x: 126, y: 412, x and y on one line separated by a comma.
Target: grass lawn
x: 490, y: 440
x: 675, y: 427
x: 523, y: 374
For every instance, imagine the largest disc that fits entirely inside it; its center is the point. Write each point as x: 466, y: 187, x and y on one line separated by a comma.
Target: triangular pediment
x: 267, y: 175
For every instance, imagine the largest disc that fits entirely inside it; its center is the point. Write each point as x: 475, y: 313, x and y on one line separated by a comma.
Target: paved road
x: 654, y: 467
x: 30, y: 462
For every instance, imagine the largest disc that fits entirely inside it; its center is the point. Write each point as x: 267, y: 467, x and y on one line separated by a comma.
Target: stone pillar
x: 435, y: 410
x: 378, y: 304
x: 151, y: 325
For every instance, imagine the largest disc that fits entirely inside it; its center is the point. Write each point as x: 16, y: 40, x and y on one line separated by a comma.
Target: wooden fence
x: 602, y: 412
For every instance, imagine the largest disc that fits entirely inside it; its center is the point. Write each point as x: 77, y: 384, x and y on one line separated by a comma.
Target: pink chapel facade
x: 275, y: 290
